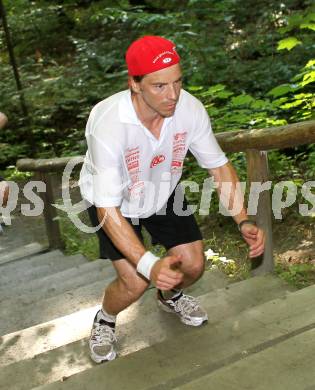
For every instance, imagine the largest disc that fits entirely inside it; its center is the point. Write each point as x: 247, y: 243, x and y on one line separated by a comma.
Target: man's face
x: 160, y: 90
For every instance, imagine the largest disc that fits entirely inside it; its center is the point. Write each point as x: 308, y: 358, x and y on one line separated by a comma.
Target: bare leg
x: 126, y: 289
x: 192, y: 263
x: 192, y: 266
x: 129, y: 285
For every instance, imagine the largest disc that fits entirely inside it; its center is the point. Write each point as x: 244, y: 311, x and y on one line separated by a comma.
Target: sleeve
x: 105, y: 167
x: 204, y: 146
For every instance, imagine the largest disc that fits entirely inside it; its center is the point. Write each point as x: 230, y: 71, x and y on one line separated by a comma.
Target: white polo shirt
x: 127, y: 167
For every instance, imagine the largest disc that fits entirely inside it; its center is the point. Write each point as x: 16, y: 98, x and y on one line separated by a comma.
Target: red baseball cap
x: 150, y: 54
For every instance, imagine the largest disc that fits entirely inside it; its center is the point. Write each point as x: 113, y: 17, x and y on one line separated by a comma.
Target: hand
x: 164, y: 274
x: 255, y: 238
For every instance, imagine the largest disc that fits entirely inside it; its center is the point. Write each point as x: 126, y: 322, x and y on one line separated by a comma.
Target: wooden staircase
x: 260, y: 334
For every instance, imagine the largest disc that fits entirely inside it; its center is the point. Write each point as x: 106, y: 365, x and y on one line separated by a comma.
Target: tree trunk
x: 12, y: 59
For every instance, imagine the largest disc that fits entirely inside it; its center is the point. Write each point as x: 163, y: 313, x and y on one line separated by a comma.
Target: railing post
x: 50, y: 212
x: 258, y: 171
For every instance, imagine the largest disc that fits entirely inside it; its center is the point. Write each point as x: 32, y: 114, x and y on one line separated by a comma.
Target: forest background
x: 251, y: 62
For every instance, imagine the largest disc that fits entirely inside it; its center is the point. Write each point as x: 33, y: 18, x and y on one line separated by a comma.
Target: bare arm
x: 229, y: 195
x: 121, y: 233
x: 253, y: 235
x: 125, y: 239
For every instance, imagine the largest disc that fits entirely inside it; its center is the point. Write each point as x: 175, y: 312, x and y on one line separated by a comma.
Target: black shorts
x: 168, y: 230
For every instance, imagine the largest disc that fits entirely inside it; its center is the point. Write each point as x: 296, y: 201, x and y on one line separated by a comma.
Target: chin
x: 167, y: 114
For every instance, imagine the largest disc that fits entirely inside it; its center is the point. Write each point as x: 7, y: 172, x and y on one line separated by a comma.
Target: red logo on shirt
x: 157, y: 160
x: 179, y: 152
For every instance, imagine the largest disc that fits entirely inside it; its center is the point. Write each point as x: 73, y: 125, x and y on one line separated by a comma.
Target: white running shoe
x: 185, y: 307
x: 102, y: 340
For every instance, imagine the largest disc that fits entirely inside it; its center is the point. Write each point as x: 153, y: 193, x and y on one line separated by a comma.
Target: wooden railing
x: 255, y: 143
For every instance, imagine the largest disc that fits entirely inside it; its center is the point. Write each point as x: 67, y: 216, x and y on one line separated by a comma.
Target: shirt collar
x: 127, y: 113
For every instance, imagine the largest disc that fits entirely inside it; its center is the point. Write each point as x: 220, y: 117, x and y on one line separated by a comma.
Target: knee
x: 197, y: 268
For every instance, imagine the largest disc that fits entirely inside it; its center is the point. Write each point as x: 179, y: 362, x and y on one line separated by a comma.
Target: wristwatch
x: 245, y: 221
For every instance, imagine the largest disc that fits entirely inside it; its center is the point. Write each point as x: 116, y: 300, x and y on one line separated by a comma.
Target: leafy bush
x: 229, y: 55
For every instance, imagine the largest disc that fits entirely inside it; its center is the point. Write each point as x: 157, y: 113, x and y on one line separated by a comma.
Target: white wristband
x: 146, y: 263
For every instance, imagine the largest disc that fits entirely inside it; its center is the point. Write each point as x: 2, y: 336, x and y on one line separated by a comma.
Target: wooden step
x: 143, y: 327
x: 188, y: 356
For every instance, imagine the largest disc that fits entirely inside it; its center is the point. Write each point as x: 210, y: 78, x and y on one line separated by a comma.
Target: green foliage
x: 298, y: 100
x: 288, y: 43
x: 13, y: 174
x: 310, y: 164
x: 76, y: 241
x: 228, y: 50
x: 298, y: 275
x: 234, y: 262
x: 281, y: 166
x: 9, y: 153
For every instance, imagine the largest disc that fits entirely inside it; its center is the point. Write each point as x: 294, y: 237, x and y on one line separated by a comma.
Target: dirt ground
x: 293, y: 245
x: 294, y: 240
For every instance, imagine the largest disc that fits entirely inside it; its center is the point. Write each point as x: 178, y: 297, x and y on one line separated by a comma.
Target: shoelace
x: 186, y: 304
x: 103, y: 334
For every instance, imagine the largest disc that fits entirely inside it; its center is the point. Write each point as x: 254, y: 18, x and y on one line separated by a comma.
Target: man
x: 137, y: 142
x: 4, y: 188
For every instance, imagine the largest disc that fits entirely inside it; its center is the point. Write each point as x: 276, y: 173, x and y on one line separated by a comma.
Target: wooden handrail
x: 56, y: 164
x: 254, y: 142
x: 232, y: 141
x: 280, y: 137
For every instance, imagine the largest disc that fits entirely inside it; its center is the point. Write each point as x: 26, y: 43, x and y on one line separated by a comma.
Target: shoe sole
x: 194, y: 322
x: 97, y: 359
